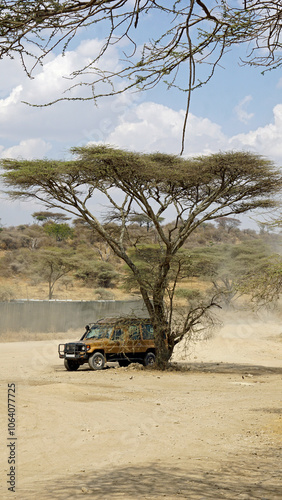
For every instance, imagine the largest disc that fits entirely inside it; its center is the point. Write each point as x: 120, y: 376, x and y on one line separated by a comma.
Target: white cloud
x: 155, y: 127
x: 264, y: 140
x: 122, y: 120
x: 27, y: 149
x: 13, y: 98
x: 242, y: 115
x: 53, y: 80
x: 66, y: 123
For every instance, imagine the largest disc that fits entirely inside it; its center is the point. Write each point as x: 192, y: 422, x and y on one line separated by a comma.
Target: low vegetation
x: 38, y: 265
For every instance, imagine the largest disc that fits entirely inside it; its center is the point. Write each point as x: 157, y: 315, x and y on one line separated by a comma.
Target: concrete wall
x: 61, y: 316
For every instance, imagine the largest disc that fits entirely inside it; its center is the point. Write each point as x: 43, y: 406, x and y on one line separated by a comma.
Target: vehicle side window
x: 147, y: 332
x: 118, y: 334
x: 107, y: 332
x: 134, y: 332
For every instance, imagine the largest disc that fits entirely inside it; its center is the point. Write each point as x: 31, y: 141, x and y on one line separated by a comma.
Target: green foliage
x: 106, y: 275
x: 264, y: 284
x: 227, y: 267
x: 93, y: 272
x: 188, y: 294
x: 146, y: 258
x: 60, y: 232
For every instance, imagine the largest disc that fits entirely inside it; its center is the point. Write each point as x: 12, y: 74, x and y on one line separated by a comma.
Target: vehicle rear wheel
x: 71, y: 365
x: 149, y: 359
x: 97, y: 361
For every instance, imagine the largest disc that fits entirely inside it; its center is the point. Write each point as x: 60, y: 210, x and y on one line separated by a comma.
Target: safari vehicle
x: 124, y: 340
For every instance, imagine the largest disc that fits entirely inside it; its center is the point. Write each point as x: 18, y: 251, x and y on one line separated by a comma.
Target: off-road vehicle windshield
x: 99, y: 332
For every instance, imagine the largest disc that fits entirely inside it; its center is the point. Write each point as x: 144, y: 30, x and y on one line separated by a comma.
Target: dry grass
x: 70, y: 290
x: 25, y: 336
x: 24, y: 289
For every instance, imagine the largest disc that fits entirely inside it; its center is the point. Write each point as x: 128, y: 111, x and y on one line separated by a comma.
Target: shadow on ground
x: 251, y: 477
x: 229, y: 368
x: 242, y: 369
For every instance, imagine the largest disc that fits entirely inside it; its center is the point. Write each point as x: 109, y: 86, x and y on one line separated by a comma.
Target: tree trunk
x: 161, y: 327
x: 163, y: 348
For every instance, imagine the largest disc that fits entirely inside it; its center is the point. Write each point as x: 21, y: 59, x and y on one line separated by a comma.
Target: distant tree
x: 94, y: 272
x: 144, y: 220
x: 200, y: 190
x: 227, y: 267
x: 228, y: 223
x: 49, y: 216
x: 51, y: 264
x: 190, y: 35
x: 264, y: 284
x: 104, y: 250
x: 58, y: 231
x: 106, y: 275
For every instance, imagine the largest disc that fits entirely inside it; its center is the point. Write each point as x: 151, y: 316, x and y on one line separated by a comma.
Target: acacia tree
x: 44, y: 217
x: 192, y: 33
x: 52, y: 264
x: 228, y: 267
x: 196, y: 190
x: 264, y: 286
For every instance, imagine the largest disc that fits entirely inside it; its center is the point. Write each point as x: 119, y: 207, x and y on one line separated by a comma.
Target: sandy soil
x: 212, y: 430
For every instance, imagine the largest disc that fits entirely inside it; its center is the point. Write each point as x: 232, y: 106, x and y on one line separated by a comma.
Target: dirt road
x: 210, y: 431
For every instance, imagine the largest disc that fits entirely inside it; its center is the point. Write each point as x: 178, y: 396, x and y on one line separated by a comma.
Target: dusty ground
x: 212, y: 431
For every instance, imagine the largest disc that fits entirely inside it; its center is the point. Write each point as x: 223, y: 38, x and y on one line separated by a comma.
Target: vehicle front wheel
x: 71, y: 365
x: 149, y: 359
x: 97, y: 361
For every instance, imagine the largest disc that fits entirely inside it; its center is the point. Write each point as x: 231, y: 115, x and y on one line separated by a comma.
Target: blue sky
x: 238, y: 109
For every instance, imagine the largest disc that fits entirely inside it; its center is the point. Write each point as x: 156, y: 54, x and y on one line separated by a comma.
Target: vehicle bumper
x: 76, y: 354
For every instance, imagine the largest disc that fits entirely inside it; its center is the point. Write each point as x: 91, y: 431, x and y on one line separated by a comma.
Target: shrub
x: 103, y: 294
x: 6, y: 293
x: 187, y: 293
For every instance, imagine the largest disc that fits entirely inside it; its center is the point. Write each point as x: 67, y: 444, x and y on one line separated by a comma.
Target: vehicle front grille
x: 73, y: 348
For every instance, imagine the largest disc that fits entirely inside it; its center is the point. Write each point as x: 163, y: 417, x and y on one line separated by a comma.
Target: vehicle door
x: 116, y: 343
x: 133, y: 339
